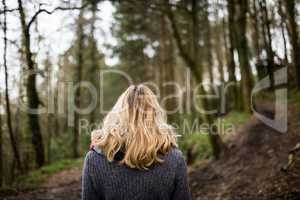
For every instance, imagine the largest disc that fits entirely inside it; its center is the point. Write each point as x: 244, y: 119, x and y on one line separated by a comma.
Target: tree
x: 218, y: 48
x: 31, y: 91
x: 256, y: 38
x: 1, y: 147
x: 50, y: 116
x: 8, y: 112
x: 208, y: 41
x: 290, y: 10
x: 154, y: 65
x: 266, y: 30
x: 93, y: 75
x: 134, y: 35
x: 78, y: 79
x: 166, y: 65
x: 283, y: 28
x: 193, y: 63
x: 240, y: 23
x: 230, y: 51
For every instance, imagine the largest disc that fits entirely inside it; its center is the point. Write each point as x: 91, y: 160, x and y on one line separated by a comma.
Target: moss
x: 201, y: 139
x: 234, y: 119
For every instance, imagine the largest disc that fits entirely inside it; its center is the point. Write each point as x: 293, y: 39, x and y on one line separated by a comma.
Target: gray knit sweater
x: 104, y: 180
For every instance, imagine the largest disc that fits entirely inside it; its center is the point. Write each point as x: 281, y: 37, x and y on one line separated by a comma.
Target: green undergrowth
x: 231, y: 121
x: 294, y: 98
x: 224, y: 125
x: 39, y: 176
x: 201, y: 141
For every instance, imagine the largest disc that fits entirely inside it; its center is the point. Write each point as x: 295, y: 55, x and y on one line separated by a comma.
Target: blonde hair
x: 137, y: 126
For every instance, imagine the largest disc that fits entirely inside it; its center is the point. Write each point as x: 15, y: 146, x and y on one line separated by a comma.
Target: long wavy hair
x: 137, y: 127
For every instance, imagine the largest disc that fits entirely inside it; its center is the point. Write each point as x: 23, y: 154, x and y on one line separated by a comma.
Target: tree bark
x: 256, y: 41
x: 283, y: 27
x: 8, y: 111
x: 294, y: 36
x: 1, y: 148
x: 218, y: 33
x: 79, y: 65
x: 166, y: 60
x: 242, y: 49
x: 32, y: 95
x: 231, y: 47
x: 93, y: 56
x: 268, y: 42
x: 208, y: 42
x: 50, y: 115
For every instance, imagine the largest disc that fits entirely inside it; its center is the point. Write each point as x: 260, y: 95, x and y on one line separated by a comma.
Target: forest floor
x: 61, y: 186
x: 251, y: 169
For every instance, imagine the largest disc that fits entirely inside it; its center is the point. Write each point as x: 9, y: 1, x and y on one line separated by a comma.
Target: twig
x: 40, y: 11
x: 8, y: 10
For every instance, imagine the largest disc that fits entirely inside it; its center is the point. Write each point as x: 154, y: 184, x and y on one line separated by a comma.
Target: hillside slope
x: 253, y: 167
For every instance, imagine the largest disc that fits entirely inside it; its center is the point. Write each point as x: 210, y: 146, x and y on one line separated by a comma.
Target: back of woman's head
x: 137, y: 126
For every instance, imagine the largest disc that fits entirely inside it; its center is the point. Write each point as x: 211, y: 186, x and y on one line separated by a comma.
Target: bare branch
x: 40, y: 11
x: 12, y: 42
x: 189, y: 61
x: 8, y: 10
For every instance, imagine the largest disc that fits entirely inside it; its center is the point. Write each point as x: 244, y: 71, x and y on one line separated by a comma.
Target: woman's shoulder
x: 174, y: 151
x: 175, y: 155
x: 94, y: 154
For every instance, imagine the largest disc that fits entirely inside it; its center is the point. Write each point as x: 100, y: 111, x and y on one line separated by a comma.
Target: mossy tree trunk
x: 240, y: 24
x: 193, y: 63
x: 32, y: 95
x: 78, y: 79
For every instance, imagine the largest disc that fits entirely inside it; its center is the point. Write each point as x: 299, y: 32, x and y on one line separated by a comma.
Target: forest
x: 227, y: 72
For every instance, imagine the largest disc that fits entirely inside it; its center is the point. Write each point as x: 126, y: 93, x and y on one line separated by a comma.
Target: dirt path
x: 62, y: 186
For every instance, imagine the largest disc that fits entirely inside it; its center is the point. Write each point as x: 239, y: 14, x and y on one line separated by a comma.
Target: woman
x: 134, y: 155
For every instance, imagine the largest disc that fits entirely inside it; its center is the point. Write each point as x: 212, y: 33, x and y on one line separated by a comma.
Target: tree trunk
x: 219, y: 55
x: 49, y: 141
x: 193, y: 63
x: 242, y: 49
x: 256, y: 42
x: 166, y: 60
x: 218, y: 33
x: 8, y: 112
x: 234, y: 94
x: 50, y: 115
x: 294, y: 36
x: 283, y: 27
x: 215, y: 140
x: 32, y: 95
x: 1, y: 148
x: 93, y: 57
x: 268, y: 42
x: 79, y: 65
x: 208, y: 43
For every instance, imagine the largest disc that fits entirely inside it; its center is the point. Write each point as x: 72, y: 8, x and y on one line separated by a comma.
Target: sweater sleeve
x: 88, y: 190
x: 181, y: 191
